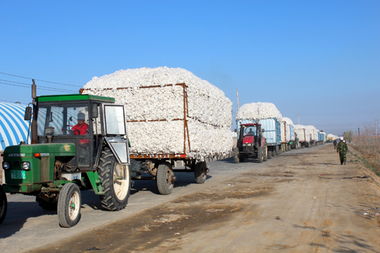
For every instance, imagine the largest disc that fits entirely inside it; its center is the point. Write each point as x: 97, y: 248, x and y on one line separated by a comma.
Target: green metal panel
x: 96, y: 184
x: 18, y: 180
x: 75, y: 97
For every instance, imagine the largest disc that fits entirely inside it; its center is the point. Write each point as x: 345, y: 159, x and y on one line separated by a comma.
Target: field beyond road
x: 302, y: 201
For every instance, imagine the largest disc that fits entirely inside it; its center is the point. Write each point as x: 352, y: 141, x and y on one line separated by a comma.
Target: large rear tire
x: 69, y: 204
x: 116, y: 182
x: 3, y: 204
x: 165, y: 179
x: 200, y: 172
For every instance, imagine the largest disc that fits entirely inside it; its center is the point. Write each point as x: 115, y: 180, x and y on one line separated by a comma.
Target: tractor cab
x: 251, y: 143
x: 78, y: 141
x: 84, y: 121
x: 250, y: 134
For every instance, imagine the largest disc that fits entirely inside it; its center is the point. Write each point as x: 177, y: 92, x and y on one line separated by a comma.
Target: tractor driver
x: 82, y: 127
x: 250, y: 131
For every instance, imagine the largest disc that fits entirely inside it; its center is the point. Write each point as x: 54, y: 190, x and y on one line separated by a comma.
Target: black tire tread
x: 3, y: 204
x: 163, y: 186
x: 64, y: 220
x: 109, y: 201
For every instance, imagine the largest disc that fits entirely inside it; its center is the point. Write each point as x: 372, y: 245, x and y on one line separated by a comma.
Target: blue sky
x: 318, y: 61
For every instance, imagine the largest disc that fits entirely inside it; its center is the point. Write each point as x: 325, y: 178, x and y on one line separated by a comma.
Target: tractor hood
x: 28, y: 167
x: 45, y: 149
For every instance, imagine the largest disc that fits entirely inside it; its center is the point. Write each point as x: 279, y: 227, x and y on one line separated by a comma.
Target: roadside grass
x: 369, y: 149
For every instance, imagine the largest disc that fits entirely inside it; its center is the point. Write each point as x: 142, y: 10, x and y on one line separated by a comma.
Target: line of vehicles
x: 59, y: 162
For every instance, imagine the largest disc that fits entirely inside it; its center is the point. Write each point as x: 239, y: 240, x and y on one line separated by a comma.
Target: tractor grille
x: 44, y: 169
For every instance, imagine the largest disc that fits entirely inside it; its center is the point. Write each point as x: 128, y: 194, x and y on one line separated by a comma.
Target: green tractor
x: 78, y: 142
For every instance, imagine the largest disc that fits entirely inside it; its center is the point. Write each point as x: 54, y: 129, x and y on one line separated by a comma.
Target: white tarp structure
x: 13, y: 128
x: 170, y: 111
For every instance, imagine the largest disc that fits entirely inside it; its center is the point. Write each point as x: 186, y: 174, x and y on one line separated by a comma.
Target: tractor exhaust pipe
x: 34, y: 89
x: 34, y: 118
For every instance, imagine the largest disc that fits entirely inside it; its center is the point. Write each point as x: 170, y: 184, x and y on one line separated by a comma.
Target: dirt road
x: 302, y: 201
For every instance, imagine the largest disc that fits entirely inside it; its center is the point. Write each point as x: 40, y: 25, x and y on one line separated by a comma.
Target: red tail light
x: 248, y: 139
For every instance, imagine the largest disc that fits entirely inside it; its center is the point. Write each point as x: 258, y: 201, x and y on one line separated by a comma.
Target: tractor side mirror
x: 94, y: 111
x: 28, y: 113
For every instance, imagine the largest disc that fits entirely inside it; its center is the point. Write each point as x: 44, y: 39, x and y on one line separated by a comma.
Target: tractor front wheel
x: 3, y: 204
x: 69, y: 204
x: 260, y: 155
x: 265, y: 153
x: 116, y: 182
x: 165, y: 179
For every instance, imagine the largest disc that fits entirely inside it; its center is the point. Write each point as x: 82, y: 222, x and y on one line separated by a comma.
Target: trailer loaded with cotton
x: 176, y: 121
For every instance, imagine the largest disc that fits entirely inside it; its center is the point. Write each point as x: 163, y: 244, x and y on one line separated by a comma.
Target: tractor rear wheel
x: 116, y: 182
x: 200, y: 172
x: 165, y: 179
x: 69, y: 204
x: 3, y: 204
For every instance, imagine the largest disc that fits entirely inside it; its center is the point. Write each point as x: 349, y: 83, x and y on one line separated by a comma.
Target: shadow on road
x: 182, y: 179
x: 18, y: 213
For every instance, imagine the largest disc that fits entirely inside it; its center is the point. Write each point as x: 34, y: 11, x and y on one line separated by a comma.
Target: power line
x: 22, y: 85
x: 40, y: 80
x: 39, y: 86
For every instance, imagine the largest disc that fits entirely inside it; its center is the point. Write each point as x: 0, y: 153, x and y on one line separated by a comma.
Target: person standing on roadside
x: 342, y: 149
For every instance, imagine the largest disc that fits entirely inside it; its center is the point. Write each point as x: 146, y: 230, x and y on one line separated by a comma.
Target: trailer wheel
x: 69, y: 204
x: 3, y: 204
x: 277, y: 150
x: 165, y: 179
x: 200, y: 172
x: 116, y: 182
x: 270, y: 154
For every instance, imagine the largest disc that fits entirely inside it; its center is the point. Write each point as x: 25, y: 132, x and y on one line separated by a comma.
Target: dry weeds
x: 369, y: 148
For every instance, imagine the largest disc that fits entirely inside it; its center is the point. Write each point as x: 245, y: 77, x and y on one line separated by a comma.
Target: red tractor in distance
x: 251, y: 143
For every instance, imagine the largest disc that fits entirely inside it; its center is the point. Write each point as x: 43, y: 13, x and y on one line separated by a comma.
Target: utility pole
x: 237, y: 100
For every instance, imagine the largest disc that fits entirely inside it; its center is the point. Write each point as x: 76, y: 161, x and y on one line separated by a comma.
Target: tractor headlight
x: 6, y: 165
x: 25, y: 165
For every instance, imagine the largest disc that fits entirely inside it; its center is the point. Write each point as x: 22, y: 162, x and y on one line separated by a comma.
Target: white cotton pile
x: 155, y: 114
x: 286, y: 128
x: 288, y: 121
x: 259, y: 110
x: 311, y: 132
x: 331, y: 137
x: 301, y: 133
